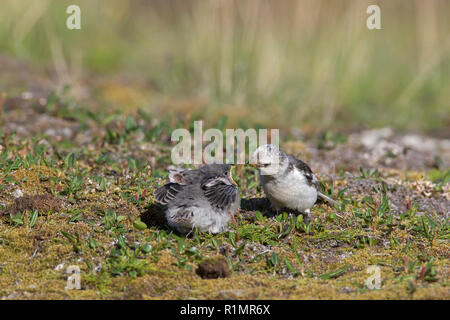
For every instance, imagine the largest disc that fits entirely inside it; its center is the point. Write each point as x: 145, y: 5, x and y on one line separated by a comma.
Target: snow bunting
x: 205, y: 198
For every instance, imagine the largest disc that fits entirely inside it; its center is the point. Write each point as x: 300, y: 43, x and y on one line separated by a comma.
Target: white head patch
x: 268, y: 158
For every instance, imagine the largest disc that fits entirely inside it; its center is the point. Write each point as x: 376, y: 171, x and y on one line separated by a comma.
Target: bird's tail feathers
x: 327, y: 198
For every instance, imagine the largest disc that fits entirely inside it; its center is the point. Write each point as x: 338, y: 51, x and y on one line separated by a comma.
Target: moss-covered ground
x: 76, y: 190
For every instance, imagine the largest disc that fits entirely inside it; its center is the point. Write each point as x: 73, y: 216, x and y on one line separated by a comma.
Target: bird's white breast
x: 291, y: 191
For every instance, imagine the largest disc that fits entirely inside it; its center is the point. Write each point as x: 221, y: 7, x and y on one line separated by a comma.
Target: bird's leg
x: 274, y: 215
x: 233, y: 220
x: 306, y: 216
x: 189, y: 233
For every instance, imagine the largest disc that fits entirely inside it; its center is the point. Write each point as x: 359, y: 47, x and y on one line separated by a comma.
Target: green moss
x: 277, y: 257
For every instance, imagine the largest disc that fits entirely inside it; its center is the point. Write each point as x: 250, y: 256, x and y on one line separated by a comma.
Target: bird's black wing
x: 305, y: 169
x: 178, y: 179
x: 219, y: 193
x: 167, y: 192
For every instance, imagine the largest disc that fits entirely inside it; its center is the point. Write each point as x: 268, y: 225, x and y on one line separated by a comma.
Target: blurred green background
x: 308, y: 64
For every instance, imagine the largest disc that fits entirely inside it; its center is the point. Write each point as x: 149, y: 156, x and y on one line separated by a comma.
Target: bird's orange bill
x: 231, y: 176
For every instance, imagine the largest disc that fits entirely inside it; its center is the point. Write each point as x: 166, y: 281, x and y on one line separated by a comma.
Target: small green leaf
x: 215, y: 243
x: 231, y: 237
x: 290, y: 266
x: 33, y: 218
x: 335, y: 274
x: 138, y: 224
x: 274, y: 259
x: 240, y: 249
x: 132, y: 274
x: 131, y: 124
x: 92, y: 243
x: 68, y: 236
x: 17, y: 221
x: 70, y: 160
x: 259, y: 216
x: 121, y: 241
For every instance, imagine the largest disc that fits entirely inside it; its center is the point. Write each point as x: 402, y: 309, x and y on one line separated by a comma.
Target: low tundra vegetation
x: 87, y: 201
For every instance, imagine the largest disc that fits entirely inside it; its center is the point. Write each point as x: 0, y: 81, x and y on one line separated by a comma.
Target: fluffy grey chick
x: 287, y: 181
x: 204, y: 198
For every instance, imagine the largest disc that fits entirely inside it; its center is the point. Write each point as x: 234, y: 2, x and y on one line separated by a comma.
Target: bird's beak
x: 231, y: 176
x: 248, y: 163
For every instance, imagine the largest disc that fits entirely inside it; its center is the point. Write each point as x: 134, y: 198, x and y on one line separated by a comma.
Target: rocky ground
x: 76, y: 190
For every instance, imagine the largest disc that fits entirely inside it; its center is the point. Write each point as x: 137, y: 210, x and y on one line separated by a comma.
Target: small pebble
x: 17, y: 193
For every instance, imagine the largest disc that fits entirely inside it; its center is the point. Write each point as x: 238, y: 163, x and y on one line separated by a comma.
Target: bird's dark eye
x: 225, y: 173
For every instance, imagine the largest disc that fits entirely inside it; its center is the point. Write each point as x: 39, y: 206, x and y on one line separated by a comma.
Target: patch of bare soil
x: 213, y: 268
x: 381, y: 148
x: 402, y: 194
x: 42, y: 203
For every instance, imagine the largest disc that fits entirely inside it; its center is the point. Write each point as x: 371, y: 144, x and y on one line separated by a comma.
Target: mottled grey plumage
x: 287, y: 181
x: 203, y: 198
